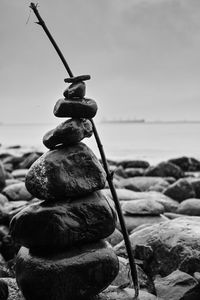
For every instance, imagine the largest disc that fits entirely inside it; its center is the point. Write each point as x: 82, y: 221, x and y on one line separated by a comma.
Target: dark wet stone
x: 75, y: 90
x: 134, y: 164
x: 60, y: 225
x: 65, y: 172
x: 79, y: 108
x: 165, y: 169
x: 186, y: 163
x: 75, y: 274
x: 67, y: 133
x: 180, y: 190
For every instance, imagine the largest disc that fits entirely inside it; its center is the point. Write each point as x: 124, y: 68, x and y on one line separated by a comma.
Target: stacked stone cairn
x: 63, y: 254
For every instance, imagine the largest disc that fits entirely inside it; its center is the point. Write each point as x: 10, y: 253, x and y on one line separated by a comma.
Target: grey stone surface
x: 64, y: 173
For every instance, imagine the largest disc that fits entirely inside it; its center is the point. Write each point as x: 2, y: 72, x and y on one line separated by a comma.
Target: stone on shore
x: 115, y: 238
x: 187, y: 164
x: 181, y: 190
x: 75, y: 108
x: 143, y: 183
x: 117, y: 293
x: 196, y: 186
x: 79, y: 273
x: 190, y: 207
x: 123, y: 278
x: 165, y: 169
x: 67, y: 133
x: 52, y: 226
x: 169, y: 204
x: 142, y: 207
x: 175, y: 245
x: 2, y: 176
x: 135, y: 221
x: 177, y: 286
x: 16, y: 192
x: 64, y: 173
x: 134, y: 164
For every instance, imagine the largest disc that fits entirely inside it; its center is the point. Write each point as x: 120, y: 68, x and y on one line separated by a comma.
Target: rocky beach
x: 161, y: 207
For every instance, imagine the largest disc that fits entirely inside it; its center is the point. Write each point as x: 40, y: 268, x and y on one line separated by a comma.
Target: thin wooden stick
x: 104, y: 161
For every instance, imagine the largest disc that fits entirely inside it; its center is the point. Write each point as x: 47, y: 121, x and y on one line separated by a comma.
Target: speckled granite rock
x: 75, y: 274
x: 61, y: 225
x: 64, y: 173
x: 75, y: 108
x: 67, y: 133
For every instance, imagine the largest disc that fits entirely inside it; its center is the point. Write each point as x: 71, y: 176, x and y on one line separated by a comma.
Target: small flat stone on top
x: 64, y: 173
x: 67, y: 133
x: 77, y: 78
x: 75, y: 108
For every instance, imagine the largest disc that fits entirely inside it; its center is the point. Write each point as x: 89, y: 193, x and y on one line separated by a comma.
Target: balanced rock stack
x: 63, y: 254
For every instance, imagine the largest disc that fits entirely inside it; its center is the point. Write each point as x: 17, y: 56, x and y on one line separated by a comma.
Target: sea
x: 151, y: 141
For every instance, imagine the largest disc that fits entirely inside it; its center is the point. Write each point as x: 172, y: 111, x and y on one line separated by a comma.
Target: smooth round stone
x: 75, y: 108
x: 64, y: 173
x: 47, y: 226
x: 67, y: 133
x: 75, y: 90
x: 75, y: 274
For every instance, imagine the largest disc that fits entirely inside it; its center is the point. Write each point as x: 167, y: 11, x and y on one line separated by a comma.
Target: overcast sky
x: 143, y: 57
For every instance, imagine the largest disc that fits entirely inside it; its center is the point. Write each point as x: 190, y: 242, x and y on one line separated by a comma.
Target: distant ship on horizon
x: 120, y: 120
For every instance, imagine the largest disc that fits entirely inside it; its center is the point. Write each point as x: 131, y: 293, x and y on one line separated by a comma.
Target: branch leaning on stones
x: 80, y: 80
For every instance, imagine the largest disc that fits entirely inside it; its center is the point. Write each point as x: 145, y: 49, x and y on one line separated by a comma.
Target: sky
x: 143, y: 57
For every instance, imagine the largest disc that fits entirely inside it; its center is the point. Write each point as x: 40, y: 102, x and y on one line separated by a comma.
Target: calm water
x: 151, y: 141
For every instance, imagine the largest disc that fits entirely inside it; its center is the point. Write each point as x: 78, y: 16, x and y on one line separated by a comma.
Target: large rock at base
x: 75, y: 108
x: 142, y: 207
x: 75, y: 274
x: 177, y: 286
x: 61, y: 225
x: 65, y: 172
x: 175, y: 245
x: 180, y: 190
x: 143, y: 183
x: 165, y: 169
x: 190, y: 207
x: 69, y: 132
